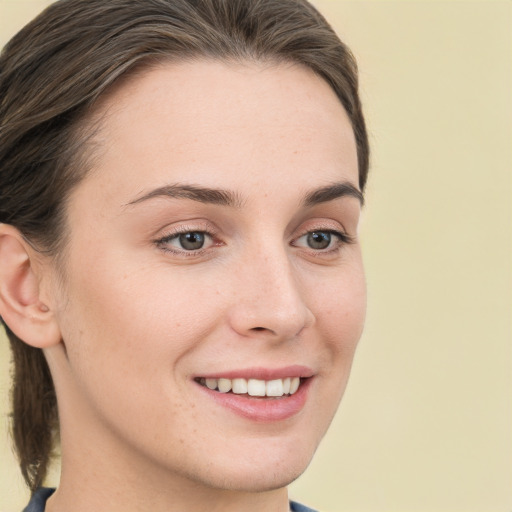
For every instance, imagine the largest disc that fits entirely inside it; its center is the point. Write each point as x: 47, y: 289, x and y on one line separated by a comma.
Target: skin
x: 139, y: 319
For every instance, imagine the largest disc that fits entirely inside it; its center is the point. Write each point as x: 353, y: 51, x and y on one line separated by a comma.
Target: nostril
x: 258, y: 329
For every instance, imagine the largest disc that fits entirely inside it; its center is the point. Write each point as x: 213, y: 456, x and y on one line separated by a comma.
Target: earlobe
x: 21, y: 306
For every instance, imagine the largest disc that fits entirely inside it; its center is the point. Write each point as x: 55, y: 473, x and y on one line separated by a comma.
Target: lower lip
x: 262, y: 409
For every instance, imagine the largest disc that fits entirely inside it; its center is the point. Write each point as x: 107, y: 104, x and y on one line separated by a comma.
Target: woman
x: 180, y: 188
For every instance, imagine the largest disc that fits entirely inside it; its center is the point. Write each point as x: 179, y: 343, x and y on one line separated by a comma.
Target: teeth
x: 239, y: 386
x: 224, y: 385
x: 254, y: 387
x: 211, y: 383
x: 275, y: 387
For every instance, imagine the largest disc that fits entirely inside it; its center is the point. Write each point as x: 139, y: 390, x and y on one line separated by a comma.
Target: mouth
x: 275, y: 388
x: 259, y: 395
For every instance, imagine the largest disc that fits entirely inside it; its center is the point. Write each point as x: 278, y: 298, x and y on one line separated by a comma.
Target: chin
x: 259, y: 473
x: 257, y: 481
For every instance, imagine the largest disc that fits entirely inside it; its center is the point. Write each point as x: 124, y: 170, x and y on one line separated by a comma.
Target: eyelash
x: 162, y: 243
x: 342, y: 239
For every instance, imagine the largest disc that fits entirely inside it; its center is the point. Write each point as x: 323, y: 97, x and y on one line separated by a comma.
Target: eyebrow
x: 195, y: 193
x: 331, y: 192
x: 228, y: 198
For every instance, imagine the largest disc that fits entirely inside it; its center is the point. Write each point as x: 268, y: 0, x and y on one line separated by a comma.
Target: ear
x: 21, y: 306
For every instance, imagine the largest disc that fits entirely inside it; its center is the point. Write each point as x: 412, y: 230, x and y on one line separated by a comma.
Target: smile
x: 253, y: 387
x: 259, y: 394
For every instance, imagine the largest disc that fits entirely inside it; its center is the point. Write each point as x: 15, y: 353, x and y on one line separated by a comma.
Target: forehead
x: 209, y: 121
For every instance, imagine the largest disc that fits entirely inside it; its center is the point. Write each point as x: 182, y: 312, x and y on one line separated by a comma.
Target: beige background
x: 426, y: 424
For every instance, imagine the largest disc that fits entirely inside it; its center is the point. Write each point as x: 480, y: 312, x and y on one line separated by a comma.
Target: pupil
x: 319, y: 240
x: 192, y: 241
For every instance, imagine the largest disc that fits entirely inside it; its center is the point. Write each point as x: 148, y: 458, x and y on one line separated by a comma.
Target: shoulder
x: 38, y: 500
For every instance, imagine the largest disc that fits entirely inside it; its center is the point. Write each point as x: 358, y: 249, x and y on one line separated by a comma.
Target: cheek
x: 127, y: 335
x: 340, y: 309
x: 132, y: 323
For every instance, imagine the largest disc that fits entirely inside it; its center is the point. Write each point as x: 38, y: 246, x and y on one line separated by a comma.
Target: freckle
x: 182, y: 441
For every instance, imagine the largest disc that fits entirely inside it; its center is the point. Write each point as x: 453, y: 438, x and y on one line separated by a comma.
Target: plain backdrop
x: 426, y: 422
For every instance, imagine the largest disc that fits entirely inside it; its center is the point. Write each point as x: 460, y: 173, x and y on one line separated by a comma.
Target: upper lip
x: 261, y: 373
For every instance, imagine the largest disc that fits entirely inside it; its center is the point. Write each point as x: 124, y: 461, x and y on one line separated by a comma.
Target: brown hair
x: 51, y: 74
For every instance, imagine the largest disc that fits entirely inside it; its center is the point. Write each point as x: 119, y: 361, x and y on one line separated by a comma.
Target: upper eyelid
x: 344, y: 237
x: 176, y: 234
x: 324, y: 226
x: 209, y: 228
x: 321, y: 222
x: 185, y: 227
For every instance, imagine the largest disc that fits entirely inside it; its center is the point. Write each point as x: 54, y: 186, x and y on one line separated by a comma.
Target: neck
x: 90, y: 484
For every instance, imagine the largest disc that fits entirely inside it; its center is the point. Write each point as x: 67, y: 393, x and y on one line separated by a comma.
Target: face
x: 213, y: 293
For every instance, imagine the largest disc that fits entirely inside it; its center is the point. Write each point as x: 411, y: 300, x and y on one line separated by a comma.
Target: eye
x: 323, y: 240
x: 319, y: 239
x: 187, y: 241
x: 191, y: 241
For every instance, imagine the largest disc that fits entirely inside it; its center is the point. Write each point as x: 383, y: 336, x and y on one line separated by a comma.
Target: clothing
x: 297, y: 507
x: 38, y: 501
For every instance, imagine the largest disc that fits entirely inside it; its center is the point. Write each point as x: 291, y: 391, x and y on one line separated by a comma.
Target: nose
x: 269, y: 301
